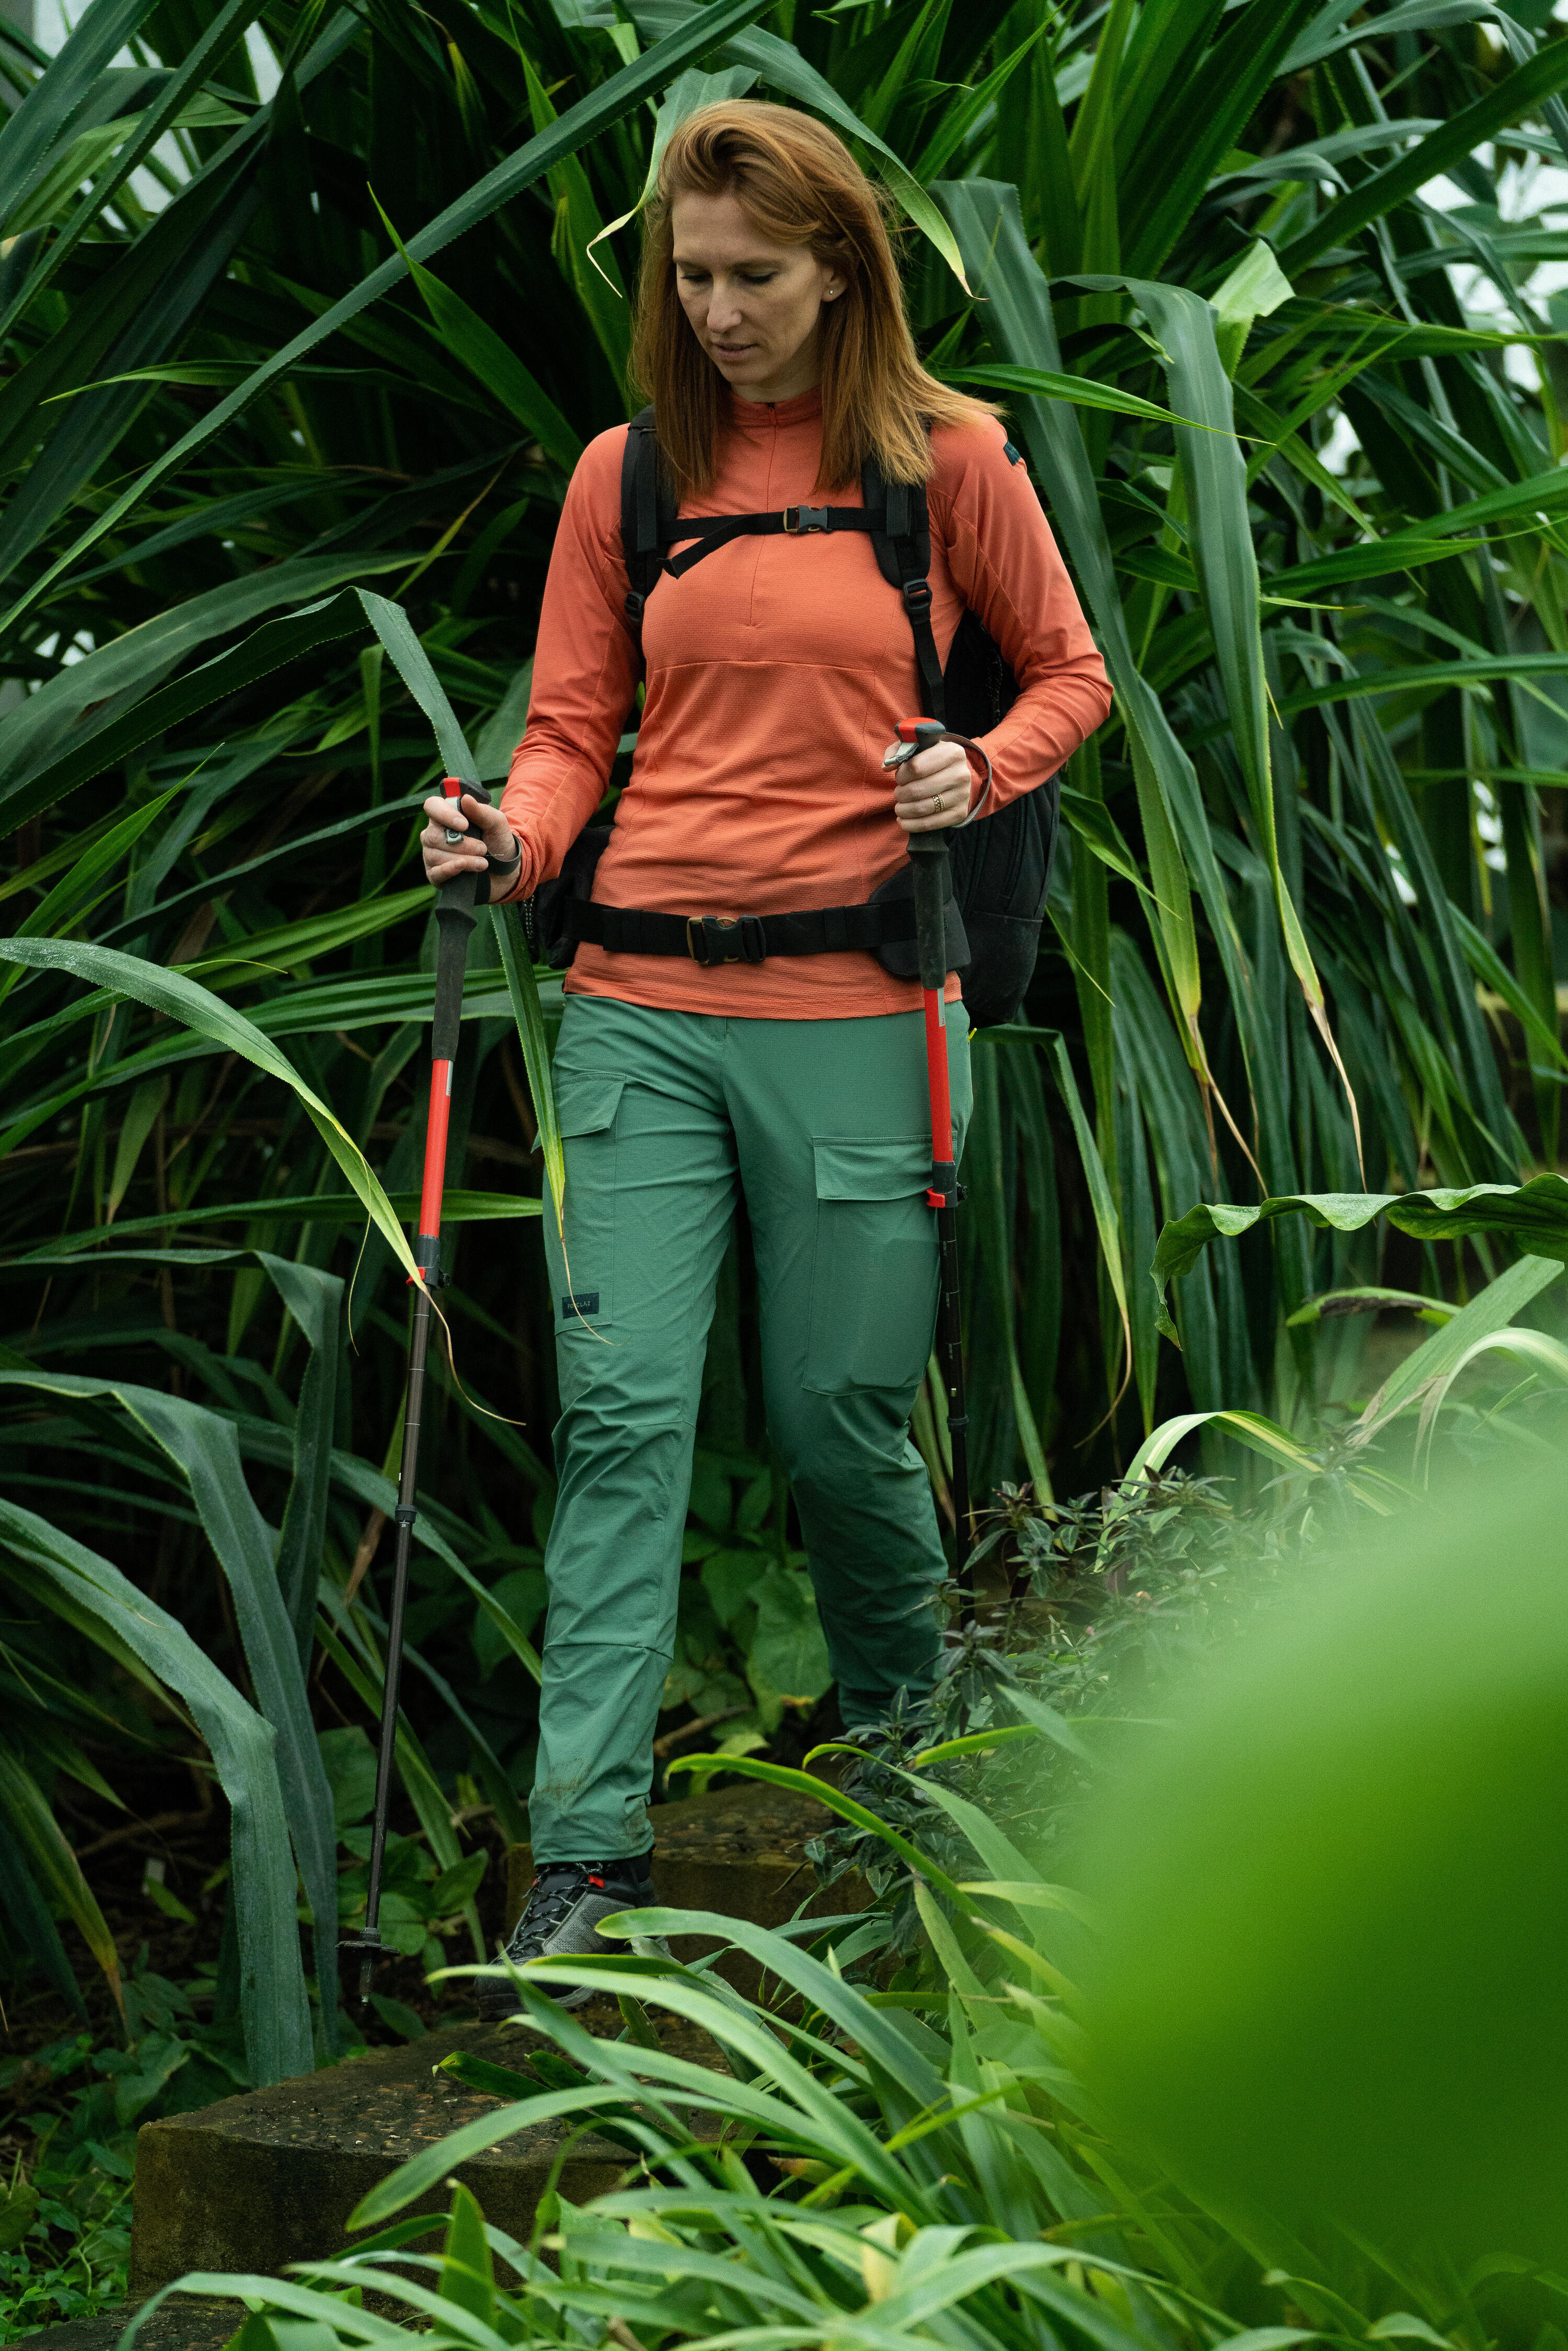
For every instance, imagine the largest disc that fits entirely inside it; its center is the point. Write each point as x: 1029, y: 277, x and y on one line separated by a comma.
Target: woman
x: 771, y: 335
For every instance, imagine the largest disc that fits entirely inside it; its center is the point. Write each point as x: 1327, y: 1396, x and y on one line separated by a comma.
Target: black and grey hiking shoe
x: 560, y: 1918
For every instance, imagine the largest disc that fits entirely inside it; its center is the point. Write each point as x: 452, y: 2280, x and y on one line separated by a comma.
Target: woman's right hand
x: 484, y: 829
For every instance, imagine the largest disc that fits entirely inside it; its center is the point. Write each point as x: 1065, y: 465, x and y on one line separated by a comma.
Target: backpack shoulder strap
x: 904, y: 556
x: 647, y: 517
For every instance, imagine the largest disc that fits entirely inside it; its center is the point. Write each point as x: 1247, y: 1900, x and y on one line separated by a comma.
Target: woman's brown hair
x: 798, y: 184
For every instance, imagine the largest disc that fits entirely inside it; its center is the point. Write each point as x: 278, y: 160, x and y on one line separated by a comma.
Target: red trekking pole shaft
x: 928, y: 855
x: 454, y: 920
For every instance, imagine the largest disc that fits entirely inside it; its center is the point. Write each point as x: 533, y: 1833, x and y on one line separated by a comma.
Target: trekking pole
x: 928, y: 855
x: 454, y: 920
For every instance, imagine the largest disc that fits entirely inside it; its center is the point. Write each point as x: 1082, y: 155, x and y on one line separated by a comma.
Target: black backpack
x: 1001, y: 866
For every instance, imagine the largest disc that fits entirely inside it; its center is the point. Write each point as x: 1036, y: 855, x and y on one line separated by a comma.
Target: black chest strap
x: 893, y: 515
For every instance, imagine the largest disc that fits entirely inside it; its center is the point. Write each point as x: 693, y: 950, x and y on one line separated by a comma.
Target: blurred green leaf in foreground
x: 1332, y: 1993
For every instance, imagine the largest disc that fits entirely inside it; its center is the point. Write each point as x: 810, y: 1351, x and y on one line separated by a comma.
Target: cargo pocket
x: 583, y: 1279
x: 874, y: 1273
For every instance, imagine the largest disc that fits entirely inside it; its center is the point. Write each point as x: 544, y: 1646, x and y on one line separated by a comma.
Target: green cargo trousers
x: 666, y: 1117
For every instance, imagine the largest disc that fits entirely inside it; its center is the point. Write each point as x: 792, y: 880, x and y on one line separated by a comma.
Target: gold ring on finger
x: 938, y: 804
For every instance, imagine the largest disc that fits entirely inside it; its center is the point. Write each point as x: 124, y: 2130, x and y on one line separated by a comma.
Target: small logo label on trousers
x: 585, y: 1302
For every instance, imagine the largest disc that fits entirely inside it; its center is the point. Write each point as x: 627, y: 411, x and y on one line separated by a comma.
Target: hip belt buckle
x: 712, y: 938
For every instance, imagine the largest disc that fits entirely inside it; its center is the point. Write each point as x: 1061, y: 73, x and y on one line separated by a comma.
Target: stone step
x: 188, y: 2323
x: 271, y: 2176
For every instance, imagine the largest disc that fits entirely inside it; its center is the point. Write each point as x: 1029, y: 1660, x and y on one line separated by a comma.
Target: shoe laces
x: 557, y: 1887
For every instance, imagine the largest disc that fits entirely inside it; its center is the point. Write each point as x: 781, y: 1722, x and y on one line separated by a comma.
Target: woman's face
x: 754, y: 306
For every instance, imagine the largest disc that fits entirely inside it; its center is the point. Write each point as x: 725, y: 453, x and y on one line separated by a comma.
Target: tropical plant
x: 65, y: 2218
x: 872, y: 2162
x: 302, y: 297
x: 925, y: 2137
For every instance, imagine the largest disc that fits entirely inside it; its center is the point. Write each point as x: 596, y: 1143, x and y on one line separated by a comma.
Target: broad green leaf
x: 218, y: 34
x: 140, y: 1118
x: 577, y: 228
x: 1215, y: 475
x: 1175, y: 826
x: 205, y: 1450
x: 467, y: 2273
x: 685, y: 94
x: 315, y: 1299
x: 986, y: 1182
x: 1535, y: 1351
x: 787, y: 1654
x: 1254, y: 289
x: 272, y: 1983
x: 1373, y: 1300
x: 965, y: 111
x: 68, y: 901
x: 1535, y: 1214
x: 1250, y: 1428
x: 1490, y: 1312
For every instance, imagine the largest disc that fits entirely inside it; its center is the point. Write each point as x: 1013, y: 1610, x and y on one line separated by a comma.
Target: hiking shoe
x: 560, y: 1918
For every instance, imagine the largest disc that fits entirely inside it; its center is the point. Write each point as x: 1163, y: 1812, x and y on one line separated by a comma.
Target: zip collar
x: 759, y: 417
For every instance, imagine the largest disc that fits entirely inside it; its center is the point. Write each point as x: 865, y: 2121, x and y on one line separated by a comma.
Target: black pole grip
x: 928, y: 855
x: 454, y: 920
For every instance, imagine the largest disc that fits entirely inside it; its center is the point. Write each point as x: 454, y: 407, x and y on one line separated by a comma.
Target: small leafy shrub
x: 70, y: 2149
x: 1085, y: 1606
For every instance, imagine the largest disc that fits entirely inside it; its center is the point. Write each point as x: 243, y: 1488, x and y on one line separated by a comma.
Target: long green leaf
x: 1515, y: 95
x: 1107, y: 1223
x: 55, y: 1866
x: 517, y: 961
x: 703, y: 31
x: 782, y: 66
x: 1076, y: 390
x: 272, y: 1983
x: 476, y: 346
x: 1534, y: 1214
x: 52, y: 107
x: 206, y: 1450
x: 196, y: 1008
x: 104, y: 707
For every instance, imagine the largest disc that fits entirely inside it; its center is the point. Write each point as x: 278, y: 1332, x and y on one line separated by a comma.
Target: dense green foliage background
x: 1316, y: 857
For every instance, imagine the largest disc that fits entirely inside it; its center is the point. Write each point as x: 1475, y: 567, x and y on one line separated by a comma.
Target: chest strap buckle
x: 711, y: 938
x: 804, y: 519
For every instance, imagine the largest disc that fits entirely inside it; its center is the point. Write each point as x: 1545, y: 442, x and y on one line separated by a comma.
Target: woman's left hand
x: 934, y: 790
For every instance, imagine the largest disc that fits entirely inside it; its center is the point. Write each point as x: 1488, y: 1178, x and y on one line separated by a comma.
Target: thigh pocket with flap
x: 583, y: 1279
x: 873, y: 1275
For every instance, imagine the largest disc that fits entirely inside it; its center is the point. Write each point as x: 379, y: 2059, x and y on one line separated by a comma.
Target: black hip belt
x: 563, y: 913
x: 747, y: 938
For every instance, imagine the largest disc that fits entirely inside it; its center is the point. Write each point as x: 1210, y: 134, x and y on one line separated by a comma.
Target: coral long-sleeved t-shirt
x: 777, y: 672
